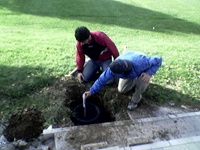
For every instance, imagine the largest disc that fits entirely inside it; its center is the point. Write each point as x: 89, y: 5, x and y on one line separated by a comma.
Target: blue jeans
x: 92, y: 67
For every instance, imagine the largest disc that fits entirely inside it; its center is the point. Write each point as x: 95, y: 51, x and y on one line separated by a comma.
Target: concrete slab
x: 123, y: 132
x: 189, y: 143
x: 94, y: 146
x: 156, y: 111
x: 193, y: 146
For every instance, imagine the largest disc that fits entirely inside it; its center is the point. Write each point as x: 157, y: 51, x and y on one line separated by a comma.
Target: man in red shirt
x: 98, y: 47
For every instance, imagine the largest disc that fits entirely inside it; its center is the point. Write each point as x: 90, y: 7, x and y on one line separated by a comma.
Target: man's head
x: 82, y: 34
x: 120, y: 66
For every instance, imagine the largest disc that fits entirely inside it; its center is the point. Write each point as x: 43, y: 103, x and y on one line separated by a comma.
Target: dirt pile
x: 26, y: 125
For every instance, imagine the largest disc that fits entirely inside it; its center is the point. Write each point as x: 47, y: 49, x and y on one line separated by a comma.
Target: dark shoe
x: 132, y: 105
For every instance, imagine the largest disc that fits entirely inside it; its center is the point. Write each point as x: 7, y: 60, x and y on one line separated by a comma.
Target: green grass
x: 38, y: 46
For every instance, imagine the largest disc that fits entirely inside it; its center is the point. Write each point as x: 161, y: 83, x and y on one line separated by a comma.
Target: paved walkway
x: 190, y: 143
x: 169, y: 132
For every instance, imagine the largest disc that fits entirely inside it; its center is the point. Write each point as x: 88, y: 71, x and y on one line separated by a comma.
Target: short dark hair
x: 120, y: 66
x: 82, y: 33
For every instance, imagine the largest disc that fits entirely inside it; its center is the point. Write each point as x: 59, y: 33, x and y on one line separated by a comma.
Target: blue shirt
x: 141, y: 63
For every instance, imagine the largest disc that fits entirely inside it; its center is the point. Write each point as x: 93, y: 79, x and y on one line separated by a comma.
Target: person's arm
x: 80, y: 60
x: 80, y: 57
x: 101, y: 81
x: 154, y: 63
x: 145, y: 77
x: 103, y: 39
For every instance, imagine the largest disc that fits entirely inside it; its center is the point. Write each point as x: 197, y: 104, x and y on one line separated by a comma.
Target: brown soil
x: 29, y: 123
x: 25, y: 125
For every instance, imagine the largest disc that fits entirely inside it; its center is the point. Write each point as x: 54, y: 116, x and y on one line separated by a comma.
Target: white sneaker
x: 132, y: 105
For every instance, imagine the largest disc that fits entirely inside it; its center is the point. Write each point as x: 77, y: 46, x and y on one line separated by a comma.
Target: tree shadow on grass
x: 162, y: 95
x: 103, y: 12
x: 18, y: 82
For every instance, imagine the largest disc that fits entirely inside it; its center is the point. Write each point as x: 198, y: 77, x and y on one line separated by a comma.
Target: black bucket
x: 90, y: 115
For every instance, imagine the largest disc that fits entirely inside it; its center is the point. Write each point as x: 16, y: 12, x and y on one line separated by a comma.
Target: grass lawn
x: 38, y: 46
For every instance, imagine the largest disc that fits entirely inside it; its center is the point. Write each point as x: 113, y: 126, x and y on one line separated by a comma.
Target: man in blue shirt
x: 133, y: 69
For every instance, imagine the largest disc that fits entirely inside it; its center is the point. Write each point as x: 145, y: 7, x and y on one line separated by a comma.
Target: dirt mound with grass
x: 66, y: 93
x: 26, y: 125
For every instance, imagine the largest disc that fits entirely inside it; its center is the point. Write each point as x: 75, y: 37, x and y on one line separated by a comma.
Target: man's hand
x: 145, y: 77
x: 80, y: 77
x: 87, y: 94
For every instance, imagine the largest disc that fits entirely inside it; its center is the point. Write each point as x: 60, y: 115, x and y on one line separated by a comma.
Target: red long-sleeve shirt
x: 102, y: 39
